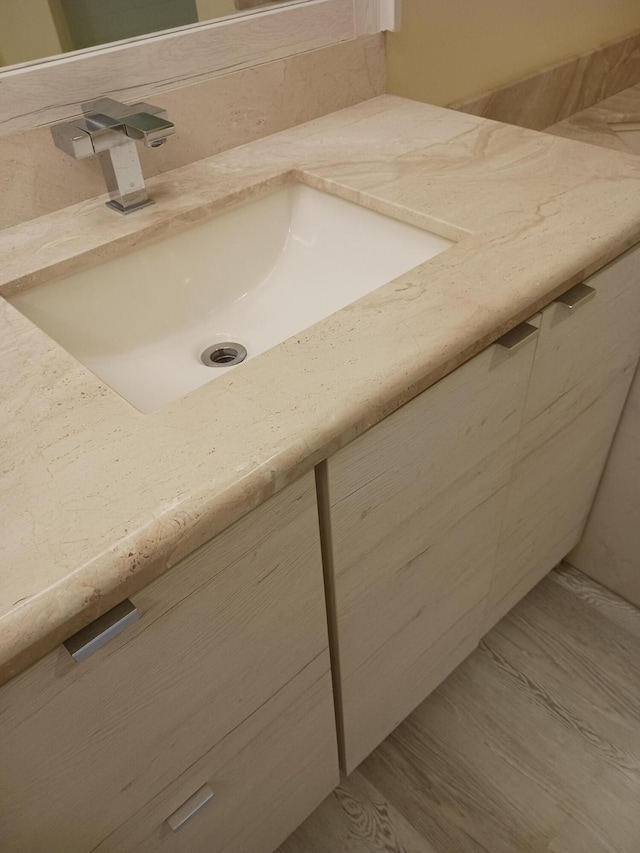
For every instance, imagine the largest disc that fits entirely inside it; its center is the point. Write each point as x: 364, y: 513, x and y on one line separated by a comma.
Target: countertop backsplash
x: 37, y: 178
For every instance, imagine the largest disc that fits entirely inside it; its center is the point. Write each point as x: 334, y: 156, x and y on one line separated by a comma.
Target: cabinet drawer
x: 415, y: 509
x: 265, y: 777
x: 84, y: 746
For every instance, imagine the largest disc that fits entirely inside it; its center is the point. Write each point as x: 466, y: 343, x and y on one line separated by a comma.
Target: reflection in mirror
x: 38, y: 29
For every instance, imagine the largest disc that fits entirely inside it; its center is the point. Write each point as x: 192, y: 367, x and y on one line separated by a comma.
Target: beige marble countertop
x: 98, y: 499
x: 593, y: 125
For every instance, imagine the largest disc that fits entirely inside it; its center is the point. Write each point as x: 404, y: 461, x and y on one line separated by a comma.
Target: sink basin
x: 629, y: 132
x: 253, y: 276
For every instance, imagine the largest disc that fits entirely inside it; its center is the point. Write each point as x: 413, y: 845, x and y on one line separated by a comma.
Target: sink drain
x: 224, y: 355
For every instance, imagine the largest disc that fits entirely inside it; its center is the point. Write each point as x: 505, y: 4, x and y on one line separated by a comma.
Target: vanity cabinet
x: 223, y: 685
x: 440, y: 518
x: 414, y: 512
x: 585, y: 361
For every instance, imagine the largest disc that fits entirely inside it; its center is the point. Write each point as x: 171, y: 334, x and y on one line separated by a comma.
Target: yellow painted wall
x: 27, y: 31
x: 452, y: 49
x: 208, y: 9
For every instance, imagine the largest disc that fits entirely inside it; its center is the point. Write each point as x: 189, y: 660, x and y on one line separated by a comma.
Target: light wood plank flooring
x: 531, y: 746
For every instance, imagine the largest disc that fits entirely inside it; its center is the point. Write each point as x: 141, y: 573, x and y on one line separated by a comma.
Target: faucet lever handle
x: 73, y: 140
x: 137, y: 121
x: 153, y: 129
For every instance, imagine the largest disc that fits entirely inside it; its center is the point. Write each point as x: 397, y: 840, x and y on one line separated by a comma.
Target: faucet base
x: 114, y: 205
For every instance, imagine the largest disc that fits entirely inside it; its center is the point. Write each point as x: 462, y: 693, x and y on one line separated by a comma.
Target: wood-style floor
x: 531, y: 746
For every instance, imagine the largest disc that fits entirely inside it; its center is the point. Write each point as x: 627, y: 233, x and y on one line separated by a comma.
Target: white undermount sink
x: 254, y: 276
x: 629, y: 133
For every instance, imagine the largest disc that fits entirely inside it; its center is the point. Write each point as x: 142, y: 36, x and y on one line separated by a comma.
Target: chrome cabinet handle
x: 578, y: 295
x: 187, y: 810
x: 88, y: 640
x: 517, y: 337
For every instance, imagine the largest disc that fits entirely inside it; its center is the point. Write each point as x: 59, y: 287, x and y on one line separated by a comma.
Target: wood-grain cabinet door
x: 609, y: 550
x: 414, y: 509
x: 224, y: 681
x: 585, y: 360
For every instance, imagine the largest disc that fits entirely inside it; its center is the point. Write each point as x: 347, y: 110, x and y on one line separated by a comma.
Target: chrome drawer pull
x: 87, y: 641
x: 188, y: 809
x: 578, y: 295
x: 517, y: 337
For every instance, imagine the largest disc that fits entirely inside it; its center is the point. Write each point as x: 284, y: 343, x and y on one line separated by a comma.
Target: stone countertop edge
x: 98, y: 499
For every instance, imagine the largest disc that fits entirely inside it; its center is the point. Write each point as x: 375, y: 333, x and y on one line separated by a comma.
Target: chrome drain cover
x: 224, y: 355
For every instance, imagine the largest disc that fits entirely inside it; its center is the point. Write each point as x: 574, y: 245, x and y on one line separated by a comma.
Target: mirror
x: 31, y: 30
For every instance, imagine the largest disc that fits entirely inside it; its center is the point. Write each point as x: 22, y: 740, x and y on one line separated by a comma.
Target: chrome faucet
x: 110, y: 130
